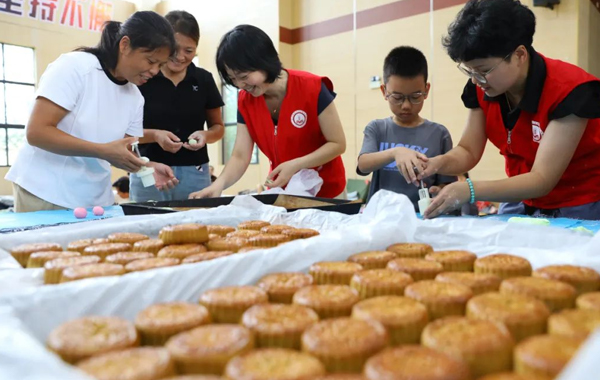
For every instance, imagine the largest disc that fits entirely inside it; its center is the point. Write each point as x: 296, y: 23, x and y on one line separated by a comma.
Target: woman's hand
x: 168, y: 141
x: 450, y: 198
x: 407, y: 161
x: 281, y: 175
x: 201, y: 140
x: 164, y: 178
x: 118, y: 153
x: 212, y: 191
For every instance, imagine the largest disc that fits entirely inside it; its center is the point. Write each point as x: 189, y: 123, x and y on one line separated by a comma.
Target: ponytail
x: 146, y: 30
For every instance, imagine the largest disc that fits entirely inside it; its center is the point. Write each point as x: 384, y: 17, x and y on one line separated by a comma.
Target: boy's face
x: 402, y: 93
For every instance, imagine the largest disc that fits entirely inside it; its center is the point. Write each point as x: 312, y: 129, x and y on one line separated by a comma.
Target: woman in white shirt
x: 87, y: 113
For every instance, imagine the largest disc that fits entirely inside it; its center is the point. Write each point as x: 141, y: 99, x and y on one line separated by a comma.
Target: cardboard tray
x: 289, y: 202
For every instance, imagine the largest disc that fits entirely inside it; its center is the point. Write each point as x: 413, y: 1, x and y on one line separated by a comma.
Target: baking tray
x: 289, y: 202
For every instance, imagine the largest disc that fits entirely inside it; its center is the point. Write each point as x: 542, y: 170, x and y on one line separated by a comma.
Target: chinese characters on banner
x: 80, y: 14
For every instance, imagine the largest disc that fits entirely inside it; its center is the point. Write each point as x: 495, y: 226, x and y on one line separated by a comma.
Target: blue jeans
x: 191, y: 178
x: 589, y: 211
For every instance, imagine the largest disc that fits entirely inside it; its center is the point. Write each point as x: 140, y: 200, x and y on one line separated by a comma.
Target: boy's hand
x: 407, y: 161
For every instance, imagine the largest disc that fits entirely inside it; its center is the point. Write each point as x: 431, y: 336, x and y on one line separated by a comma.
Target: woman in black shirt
x: 179, y: 101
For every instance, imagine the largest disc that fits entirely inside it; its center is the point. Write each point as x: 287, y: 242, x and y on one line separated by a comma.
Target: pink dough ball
x: 98, y: 211
x: 80, y: 212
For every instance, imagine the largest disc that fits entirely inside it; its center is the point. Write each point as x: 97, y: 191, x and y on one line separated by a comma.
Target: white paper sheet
x: 388, y: 219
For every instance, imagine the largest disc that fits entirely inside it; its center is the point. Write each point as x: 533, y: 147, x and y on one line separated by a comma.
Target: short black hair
x: 122, y: 184
x: 404, y: 61
x: 247, y: 48
x: 489, y: 28
x: 184, y: 23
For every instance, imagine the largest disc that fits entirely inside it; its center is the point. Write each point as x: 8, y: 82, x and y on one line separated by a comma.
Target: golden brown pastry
x: 453, y: 261
x: 281, y: 286
x: 556, y: 295
x: 485, y: 346
x: 442, y: 299
x: 53, y: 269
x: 268, y: 240
x: 39, y: 259
x: 333, y: 272
x: 104, y: 250
x: 344, y: 344
x: 478, y: 282
x: 503, y: 265
x: 125, y: 258
x: 149, y: 245
x: 544, y: 355
x: 228, y: 304
x: 152, y: 263
x: 589, y: 301
x: 22, y: 252
x: 299, y: 233
x: 575, y: 323
x: 329, y: 301
x: 278, y: 325
x: 161, y: 321
x: 253, y: 225
x: 80, y: 272
x: 181, y: 251
x: 418, y: 269
x: 84, y: 337
x: 403, y: 317
x: 210, y: 255
x: 127, y: 237
x: 275, y: 229
x: 232, y: 244
x: 274, y: 364
x: 412, y: 362
x: 191, y: 233
x: 410, y: 250
x: 373, y: 259
x: 220, y: 230
x: 145, y: 363
x: 582, y: 278
x: 246, y: 234
x: 524, y: 316
x: 207, y: 349
x: 248, y: 249
x: 380, y: 282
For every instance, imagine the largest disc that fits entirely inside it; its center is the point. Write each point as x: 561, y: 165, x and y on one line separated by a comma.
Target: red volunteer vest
x: 298, y: 132
x: 580, y: 183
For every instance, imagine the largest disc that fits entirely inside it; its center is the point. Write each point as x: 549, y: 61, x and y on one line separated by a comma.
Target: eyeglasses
x: 481, y: 77
x: 398, y: 99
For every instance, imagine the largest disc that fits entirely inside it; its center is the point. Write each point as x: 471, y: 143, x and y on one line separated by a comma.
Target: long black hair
x: 247, y: 48
x: 145, y: 30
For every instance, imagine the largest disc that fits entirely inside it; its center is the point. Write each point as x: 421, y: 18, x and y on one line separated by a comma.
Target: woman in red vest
x: 289, y: 114
x: 542, y: 114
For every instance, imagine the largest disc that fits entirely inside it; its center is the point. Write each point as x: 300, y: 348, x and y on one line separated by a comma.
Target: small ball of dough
x: 80, y: 212
x: 98, y: 211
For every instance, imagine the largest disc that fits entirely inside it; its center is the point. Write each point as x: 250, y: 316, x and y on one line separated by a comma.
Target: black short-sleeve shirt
x: 583, y: 101
x: 179, y: 109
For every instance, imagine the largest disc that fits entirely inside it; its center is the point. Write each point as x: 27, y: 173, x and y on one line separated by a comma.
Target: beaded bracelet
x: 471, y: 190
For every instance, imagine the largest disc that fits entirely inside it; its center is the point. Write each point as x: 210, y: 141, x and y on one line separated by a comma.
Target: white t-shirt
x: 101, y: 110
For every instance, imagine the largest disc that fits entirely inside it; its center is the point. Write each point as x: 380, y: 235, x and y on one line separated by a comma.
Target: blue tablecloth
x: 592, y: 225
x: 13, y: 222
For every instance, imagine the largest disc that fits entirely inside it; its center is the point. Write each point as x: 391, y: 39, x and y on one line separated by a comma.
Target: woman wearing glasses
x: 393, y: 146
x: 289, y: 114
x: 542, y: 114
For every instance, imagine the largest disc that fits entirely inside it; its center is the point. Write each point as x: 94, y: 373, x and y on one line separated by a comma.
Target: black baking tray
x: 164, y: 207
